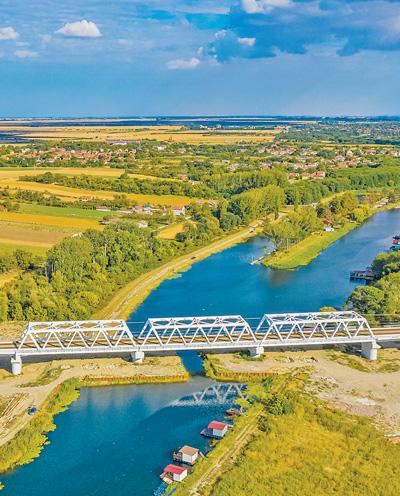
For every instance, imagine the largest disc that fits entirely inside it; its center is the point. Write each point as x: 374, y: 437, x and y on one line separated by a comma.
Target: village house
x: 177, y: 210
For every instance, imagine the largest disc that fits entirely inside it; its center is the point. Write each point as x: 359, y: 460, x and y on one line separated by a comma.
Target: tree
x: 367, y: 300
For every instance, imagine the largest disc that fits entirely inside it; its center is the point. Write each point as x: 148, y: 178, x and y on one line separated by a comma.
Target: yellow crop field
x: 171, y: 231
x: 159, y: 133
x: 72, y: 194
x: 49, y: 220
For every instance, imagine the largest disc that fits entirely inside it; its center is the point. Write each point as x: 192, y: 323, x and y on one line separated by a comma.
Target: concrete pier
x: 370, y: 350
x: 137, y: 356
x: 16, y: 365
x: 256, y: 352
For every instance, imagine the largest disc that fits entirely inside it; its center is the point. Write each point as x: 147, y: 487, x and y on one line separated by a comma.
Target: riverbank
x: 129, y: 297
x: 344, y: 380
x: 48, y: 386
x: 298, y: 415
x: 305, y: 251
x: 308, y: 249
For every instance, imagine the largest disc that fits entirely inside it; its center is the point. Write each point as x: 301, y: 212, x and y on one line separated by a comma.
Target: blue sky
x: 187, y: 57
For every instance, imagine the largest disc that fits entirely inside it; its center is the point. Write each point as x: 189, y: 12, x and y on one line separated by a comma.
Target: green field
x: 31, y: 208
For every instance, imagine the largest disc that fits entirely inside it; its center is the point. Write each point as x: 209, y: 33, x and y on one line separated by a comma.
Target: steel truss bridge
x: 216, y: 333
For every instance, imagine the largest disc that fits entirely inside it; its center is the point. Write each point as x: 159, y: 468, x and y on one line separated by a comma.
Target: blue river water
x: 116, y: 440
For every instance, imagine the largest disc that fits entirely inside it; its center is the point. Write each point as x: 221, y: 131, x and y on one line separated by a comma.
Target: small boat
x: 234, y: 412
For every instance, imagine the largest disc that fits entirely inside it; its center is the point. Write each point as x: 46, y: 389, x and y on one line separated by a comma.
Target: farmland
x: 159, y: 133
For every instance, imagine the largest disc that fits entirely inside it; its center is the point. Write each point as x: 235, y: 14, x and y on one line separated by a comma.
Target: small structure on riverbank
x: 215, y: 430
x: 362, y: 275
x: 187, y: 455
x: 173, y: 473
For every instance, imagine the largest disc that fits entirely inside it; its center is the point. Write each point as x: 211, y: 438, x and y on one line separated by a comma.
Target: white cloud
x: 80, y: 29
x: 46, y: 38
x: 25, y: 54
x: 183, y: 64
x: 262, y: 6
x: 8, y: 33
x: 247, y: 41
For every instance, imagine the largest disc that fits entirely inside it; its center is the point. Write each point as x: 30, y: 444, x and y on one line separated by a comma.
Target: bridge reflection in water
x: 208, y: 333
x: 216, y: 394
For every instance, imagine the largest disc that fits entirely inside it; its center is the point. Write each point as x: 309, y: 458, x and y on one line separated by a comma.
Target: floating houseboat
x: 187, y: 455
x: 362, y: 275
x: 173, y: 473
x: 215, y: 430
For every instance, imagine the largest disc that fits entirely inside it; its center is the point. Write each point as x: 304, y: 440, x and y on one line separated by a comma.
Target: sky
x: 76, y: 58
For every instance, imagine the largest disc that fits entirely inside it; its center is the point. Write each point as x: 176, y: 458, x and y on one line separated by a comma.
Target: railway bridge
x: 206, y: 333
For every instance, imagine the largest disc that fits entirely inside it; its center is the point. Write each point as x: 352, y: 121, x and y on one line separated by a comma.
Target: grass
x: 50, y: 220
x: 29, y: 441
x: 136, y: 379
x: 8, y: 276
x: 303, y: 448
x: 306, y: 250
x: 170, y: 232
x: 46, y: 377
x: 10, y: 246
x: 214, y: 369
x: 388, y: 361
x: 79, y: 213
x: 314, y: 451
x: 25, y: 235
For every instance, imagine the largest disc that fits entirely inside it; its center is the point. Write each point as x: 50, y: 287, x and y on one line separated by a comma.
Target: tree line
x: 124, y: 184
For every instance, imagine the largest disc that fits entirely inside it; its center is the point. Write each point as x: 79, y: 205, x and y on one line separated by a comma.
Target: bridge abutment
x: 137, y: 356
x: 16, y: 365
x: 370, y: 350
x: 256, y: 352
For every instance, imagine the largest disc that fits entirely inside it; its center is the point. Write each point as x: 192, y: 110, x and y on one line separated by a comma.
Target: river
x: 116, y: 440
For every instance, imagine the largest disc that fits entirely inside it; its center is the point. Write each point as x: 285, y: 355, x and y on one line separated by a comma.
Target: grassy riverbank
x: 289, y: 442
x: 308, y: 249
x: 126, y: 299
x: 60, y: 387
x: 305, y: 251
x: 29, y: 441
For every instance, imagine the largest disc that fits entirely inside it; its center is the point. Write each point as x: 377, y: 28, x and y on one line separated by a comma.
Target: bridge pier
x: 370, y: 350
x: 16, y: 365
x: 256, y: 352
x: 137, y: 356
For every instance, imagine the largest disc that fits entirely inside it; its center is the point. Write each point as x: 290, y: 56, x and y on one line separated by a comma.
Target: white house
x: 217, y: 429
x: 187, y: 454
x: 177, y: 210
x: 174, y: 473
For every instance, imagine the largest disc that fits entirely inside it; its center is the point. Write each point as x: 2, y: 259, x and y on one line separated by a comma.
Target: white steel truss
x: 325, y: 326
x: 198, y: 333
x: 76, y: 335
x: 189, y: 331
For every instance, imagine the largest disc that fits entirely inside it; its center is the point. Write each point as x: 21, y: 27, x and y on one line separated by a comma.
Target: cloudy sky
x: 190, y: 57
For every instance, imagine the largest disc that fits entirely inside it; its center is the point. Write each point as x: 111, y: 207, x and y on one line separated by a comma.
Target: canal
x: 116, y: 440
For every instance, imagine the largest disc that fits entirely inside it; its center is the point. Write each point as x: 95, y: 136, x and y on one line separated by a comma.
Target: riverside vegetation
x: 296, y: 441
